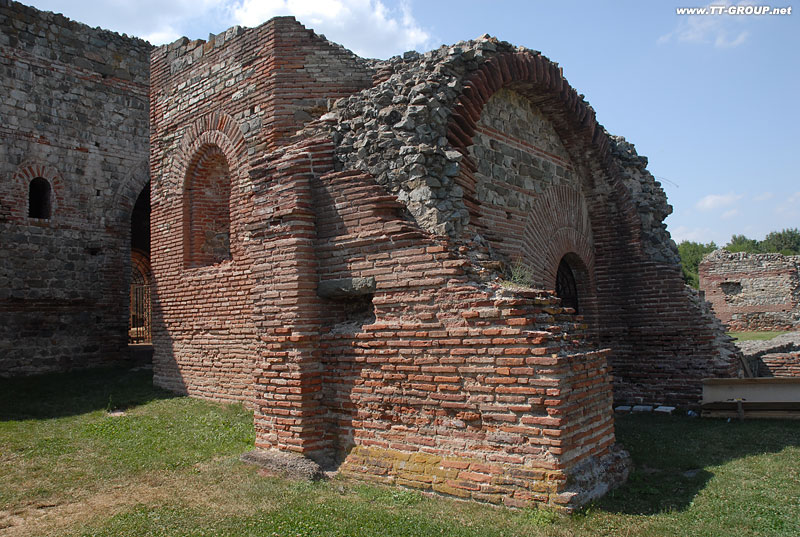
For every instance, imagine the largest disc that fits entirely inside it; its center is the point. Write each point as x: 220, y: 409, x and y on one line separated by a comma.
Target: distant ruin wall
x: 73, y: 159
x: 753, y: 291
x: 781, y: 364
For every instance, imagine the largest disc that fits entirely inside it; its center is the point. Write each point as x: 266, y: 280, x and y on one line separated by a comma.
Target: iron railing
x: 141, y: 320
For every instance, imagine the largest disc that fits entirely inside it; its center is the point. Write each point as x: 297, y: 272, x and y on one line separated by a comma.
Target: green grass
x: 755, y: 336
x: 169, y: 467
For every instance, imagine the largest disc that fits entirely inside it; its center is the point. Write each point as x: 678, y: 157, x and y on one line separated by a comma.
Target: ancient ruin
x: 73, y: 161
x: 753, y: 291
x: 422, y: 270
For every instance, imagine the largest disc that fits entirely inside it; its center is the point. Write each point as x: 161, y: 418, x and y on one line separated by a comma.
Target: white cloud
x: 789, y: 207
x: 717, y: 201
x: 160, y: 37
x: 719, y: 30
x: 685, y: 233
x: 154, y: 20
x: 764, y: 196
x: 367, y: 27
x: 730, y: 214
x: 370, y: 28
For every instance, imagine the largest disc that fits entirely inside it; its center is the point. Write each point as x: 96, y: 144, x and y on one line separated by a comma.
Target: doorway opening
x: 140, y: 319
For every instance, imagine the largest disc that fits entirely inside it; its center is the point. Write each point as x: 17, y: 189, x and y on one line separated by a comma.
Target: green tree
x: 740, y: 243
x: 691, y: 254
x: 786, y: 242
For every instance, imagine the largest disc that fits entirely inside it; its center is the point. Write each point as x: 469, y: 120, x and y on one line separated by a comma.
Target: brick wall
x: 525, y: 195
x: 753, y: 291
x: 566, y: 187
x: 74, y: 105
x: 783, y: 364
x: 429, y: 380
x: 215, y: 104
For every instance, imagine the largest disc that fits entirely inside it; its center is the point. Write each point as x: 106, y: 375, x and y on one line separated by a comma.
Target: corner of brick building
x: 221, y: 101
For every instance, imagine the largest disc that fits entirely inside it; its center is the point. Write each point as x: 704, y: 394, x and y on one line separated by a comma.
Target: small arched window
x: 566, y: 286
x: 39, y: 194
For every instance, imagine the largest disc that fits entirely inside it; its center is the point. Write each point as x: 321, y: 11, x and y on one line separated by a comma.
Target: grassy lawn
x: 754, y: 336
x: 169, y: 467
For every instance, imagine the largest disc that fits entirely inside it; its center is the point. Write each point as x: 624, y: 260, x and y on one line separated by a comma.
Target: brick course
x: 784, y: 364
x: 439, y: 373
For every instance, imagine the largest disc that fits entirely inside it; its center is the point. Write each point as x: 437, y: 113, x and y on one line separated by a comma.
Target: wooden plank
x: 756, y: 380
x: 759, y: 414
x: 755, y: 390
x: 732, y: 405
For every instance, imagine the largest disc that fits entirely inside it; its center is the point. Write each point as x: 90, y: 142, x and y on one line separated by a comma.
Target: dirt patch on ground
x: 51, y: 517
x: 204, y: 486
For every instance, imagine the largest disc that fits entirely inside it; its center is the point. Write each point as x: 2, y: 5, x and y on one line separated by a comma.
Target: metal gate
x: 140, y: 322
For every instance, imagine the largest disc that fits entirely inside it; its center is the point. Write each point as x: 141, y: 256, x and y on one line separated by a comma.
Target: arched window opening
x: 39, y: 199
x: 566, y: 286
x: 207, y: 220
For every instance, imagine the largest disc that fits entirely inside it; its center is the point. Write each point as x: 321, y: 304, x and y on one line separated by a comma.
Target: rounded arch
x: 140, y: 318
x: 574, y: 284
x: 558, y: 229
x: 542, y: 82
x: 207, y: 208
x: 128, y: 192
x: 218, y: 129
x: 39, y: 194
x: 213, y: 144
x: 557, y: 224
x: 32, y: 173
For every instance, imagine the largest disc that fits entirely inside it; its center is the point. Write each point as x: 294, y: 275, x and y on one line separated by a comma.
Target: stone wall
x: 437, y: 131
x: 753, y: 291
x: 214, y: 105
x: 75, y: 125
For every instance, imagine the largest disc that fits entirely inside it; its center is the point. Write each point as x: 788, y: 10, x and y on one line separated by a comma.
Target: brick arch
x: 27, y: 172
x: 127, y: 192
x: 541, y: 81
x: 207, y: 208
x: 558, y: 225
x: 140, y: 261
x: 221, y: 131
x: 217, y: 128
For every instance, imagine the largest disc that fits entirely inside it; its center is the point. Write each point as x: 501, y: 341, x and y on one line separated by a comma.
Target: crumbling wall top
x: 183, y: 52
x: 93, y: 49
x: 398, y: 131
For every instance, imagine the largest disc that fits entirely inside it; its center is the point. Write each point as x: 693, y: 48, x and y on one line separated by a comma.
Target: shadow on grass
x: 66, y: 394
x: 673, y: 455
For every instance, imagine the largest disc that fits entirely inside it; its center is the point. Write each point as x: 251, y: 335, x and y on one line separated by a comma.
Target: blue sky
x: 712, y: 101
